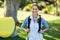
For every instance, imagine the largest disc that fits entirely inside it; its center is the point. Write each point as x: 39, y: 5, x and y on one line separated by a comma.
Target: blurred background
x: 20, y: 9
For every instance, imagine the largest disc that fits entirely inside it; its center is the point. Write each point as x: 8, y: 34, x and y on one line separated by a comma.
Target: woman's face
x: 34, y: 10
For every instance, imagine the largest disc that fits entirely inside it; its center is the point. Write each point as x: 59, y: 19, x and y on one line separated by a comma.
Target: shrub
x: 41, y: 6
x: 27, y: 7
x: 2, y: 5
x: 49, y: 8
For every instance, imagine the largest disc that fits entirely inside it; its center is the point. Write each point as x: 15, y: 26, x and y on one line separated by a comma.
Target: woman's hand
x: 27, y: 30
x: 41, y: 31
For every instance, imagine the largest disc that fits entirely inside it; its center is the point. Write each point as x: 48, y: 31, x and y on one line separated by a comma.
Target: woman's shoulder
x: 26, y: 18
x: 42, y: 19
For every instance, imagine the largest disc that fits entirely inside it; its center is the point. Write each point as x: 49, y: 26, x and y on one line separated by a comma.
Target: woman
x: 33, y: 33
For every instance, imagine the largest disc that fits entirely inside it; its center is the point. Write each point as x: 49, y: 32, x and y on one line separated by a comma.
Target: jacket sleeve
x: 44, y: 23
x: 24, y: 22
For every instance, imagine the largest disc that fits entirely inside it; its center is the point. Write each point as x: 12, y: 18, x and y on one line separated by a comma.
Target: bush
x: 2, y: 5
x: 22, y: 3
x: 49, y: 8
x: 41, y: 6
x: 27, y: 7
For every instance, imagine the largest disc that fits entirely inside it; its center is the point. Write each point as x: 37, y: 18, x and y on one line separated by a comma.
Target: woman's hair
x: 34, y: 4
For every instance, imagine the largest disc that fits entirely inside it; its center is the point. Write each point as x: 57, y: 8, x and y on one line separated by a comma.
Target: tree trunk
x: 11, y: 7
x: 56, y: 5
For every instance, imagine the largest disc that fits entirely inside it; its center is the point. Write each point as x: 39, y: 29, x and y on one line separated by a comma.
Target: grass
x: 52, y: 34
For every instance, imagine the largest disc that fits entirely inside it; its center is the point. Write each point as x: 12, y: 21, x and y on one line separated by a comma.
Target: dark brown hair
x: 34, y: 4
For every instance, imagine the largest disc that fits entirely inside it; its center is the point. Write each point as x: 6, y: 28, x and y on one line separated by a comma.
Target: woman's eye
x: 35, y: 9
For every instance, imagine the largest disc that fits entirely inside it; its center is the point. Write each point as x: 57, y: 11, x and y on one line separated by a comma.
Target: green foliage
x: 41, y: 5
x: 49, y: 8
x: 2, y: 5
x: 2, y: 0
x: 58, y: 1
x: 22, y: 3
x: 27, y: 7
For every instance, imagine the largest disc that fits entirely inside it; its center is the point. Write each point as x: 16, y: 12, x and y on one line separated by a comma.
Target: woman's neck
x: 34, y: 16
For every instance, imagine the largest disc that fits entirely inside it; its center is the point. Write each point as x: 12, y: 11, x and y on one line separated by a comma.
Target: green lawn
x: 54, y: 26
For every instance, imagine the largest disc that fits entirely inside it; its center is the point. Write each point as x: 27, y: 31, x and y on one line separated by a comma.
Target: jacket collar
x: 31, y: 17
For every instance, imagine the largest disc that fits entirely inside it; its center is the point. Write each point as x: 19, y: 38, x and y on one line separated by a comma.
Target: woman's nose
x: 34, y: 10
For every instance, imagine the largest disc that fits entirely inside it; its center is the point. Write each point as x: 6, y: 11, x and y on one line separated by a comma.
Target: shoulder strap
x: 39, y: 22
x: 29, y: 22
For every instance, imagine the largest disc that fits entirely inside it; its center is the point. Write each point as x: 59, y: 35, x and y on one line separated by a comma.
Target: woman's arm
x: 26, y: 30
x: 24, y: 24
x: 44, y: 30
x: 44, y: 23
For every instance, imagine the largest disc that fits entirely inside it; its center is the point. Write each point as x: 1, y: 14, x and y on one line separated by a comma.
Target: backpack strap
x: 39, y: 22
x: 29, y: 22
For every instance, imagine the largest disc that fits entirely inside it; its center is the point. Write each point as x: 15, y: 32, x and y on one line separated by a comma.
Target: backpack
x: 39, y: 22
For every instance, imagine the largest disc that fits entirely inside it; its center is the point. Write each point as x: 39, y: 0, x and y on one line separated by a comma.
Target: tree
x: 11, y: 7
x: 56, y: 5
x: 34, y: 1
